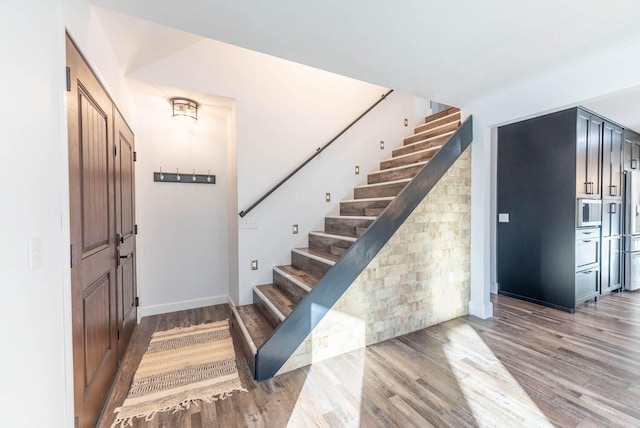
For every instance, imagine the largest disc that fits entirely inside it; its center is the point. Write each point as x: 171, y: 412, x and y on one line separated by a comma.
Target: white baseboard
x: 145, y: 311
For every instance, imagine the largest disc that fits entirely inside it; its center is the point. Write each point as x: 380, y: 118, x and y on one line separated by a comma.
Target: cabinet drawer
x: 587, y: 252
x: 587, y: 233
x: 587, y: 283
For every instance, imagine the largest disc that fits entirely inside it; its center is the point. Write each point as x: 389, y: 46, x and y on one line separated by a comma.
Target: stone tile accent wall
x: 420, y: 278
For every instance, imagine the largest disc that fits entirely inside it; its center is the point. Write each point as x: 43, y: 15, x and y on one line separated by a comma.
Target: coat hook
x: 161, y: 175
x: 193, y: 177
x: 177, y: 175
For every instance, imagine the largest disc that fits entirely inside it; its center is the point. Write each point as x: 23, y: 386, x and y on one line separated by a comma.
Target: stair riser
x: 435, y: 142
x: 396, y: 174
x: 239, y: 338
x: 325, y: 243
x: 432, y: 133
x: 291, y: 288
x: 373, y: 212
x: 408, y: 160
x: 360, y: 208
x: 441, y: 114
x: 265, y: 310
x: 379, y: 191
x: 346, y: 227
x: 438, y: 122
x: 302, y: 262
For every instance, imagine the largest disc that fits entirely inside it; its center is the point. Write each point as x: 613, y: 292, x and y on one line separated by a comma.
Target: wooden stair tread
x: 305, y: 280
x: 453, y: 117
x: 357, y: 207
x: 396, y: 173
x: 280, y: 300
x: 422, y: 144
x: 322, y: 256
x: 430, y: 149
x: 255, y: 324
x: 381, y: 198
x: 332, y: 235
x: 441, y: 114
x: 442, y: 129
x: 384, y: 183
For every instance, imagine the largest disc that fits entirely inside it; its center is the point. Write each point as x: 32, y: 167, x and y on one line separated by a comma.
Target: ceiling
x: 453, y: 52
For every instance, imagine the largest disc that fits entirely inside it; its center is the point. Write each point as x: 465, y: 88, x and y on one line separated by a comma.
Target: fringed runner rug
x: 182, y: 366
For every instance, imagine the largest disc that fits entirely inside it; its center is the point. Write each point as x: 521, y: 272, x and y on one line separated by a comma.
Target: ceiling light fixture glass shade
x: 184, y: 107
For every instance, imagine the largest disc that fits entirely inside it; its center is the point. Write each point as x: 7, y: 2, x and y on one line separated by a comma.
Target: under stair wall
x: 421, y: 277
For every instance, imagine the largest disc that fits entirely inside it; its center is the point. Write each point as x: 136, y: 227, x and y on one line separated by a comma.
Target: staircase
x: 272, y: 303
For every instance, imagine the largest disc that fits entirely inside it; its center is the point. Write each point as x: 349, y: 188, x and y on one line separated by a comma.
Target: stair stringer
x: 369, y: 311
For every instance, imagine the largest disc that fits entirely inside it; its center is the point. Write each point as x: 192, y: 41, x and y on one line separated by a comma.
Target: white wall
x: 183, y: 240
x: 85, y: 28
x: 611, y: 72
x: 34, y: 306
x: 284, y: 112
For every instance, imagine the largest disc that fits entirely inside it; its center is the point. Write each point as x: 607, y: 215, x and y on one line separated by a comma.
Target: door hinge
x: 136, y: 302
x: 135, y: 229
x: 135, y: 156
x: 68, y: 79
x: 71, y: 256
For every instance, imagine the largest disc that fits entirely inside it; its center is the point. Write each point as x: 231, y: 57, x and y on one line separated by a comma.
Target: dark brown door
x: 93, y: 239
x: 125, y: 229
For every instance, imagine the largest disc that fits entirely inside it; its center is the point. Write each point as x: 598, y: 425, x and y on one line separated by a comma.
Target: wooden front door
x: 125, y: 233
x: 94, y: 252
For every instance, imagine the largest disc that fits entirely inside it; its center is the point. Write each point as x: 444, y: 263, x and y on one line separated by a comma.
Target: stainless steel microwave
x: 589, y: 212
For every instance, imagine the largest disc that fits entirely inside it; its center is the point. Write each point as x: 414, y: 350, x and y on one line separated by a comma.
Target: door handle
x: 634, y: 163
x: 590, y: 188
x: 121, y: 257
x: 612, y: 208
x: 613, y: 190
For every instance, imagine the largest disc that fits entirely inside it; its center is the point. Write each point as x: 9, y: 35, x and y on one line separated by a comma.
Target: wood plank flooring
x: 527, y: 366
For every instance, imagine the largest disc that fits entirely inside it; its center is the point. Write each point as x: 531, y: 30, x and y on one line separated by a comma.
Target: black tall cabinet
x: 545, y: 165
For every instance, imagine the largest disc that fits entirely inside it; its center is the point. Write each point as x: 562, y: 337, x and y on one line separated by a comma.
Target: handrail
x: 297, y: 326
x: 318, y: 151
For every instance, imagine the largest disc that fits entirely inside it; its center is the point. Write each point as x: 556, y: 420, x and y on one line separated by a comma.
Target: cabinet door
x: 588, y: 158
x: 611, y: 218
x: 611, y: 270
x: 582, y: 139
x: 631, y: 158
x: 594, y: 161
x: 612, y: 148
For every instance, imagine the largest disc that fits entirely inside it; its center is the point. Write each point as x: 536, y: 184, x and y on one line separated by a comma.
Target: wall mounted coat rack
x: 179, y: 177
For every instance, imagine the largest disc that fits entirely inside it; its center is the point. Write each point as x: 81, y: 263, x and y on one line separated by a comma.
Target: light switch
x: 503, y: 218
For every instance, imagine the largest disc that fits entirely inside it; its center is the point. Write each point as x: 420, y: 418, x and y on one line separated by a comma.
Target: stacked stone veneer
x: 421, y: 277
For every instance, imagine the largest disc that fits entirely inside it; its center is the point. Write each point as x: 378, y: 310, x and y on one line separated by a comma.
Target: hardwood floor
x: 527, y: 366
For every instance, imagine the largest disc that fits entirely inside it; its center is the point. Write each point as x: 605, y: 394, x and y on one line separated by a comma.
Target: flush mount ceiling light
x: 184, y: 107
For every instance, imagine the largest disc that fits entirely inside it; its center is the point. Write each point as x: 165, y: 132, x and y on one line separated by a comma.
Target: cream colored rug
x: 182, y: 366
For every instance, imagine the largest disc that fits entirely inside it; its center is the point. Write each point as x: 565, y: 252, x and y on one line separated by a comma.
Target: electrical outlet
x: 254, y: 264
x: 248, y: 223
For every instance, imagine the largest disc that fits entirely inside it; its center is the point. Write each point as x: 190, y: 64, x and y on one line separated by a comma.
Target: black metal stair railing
x: 308, y: 313
x: 317, y: 152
